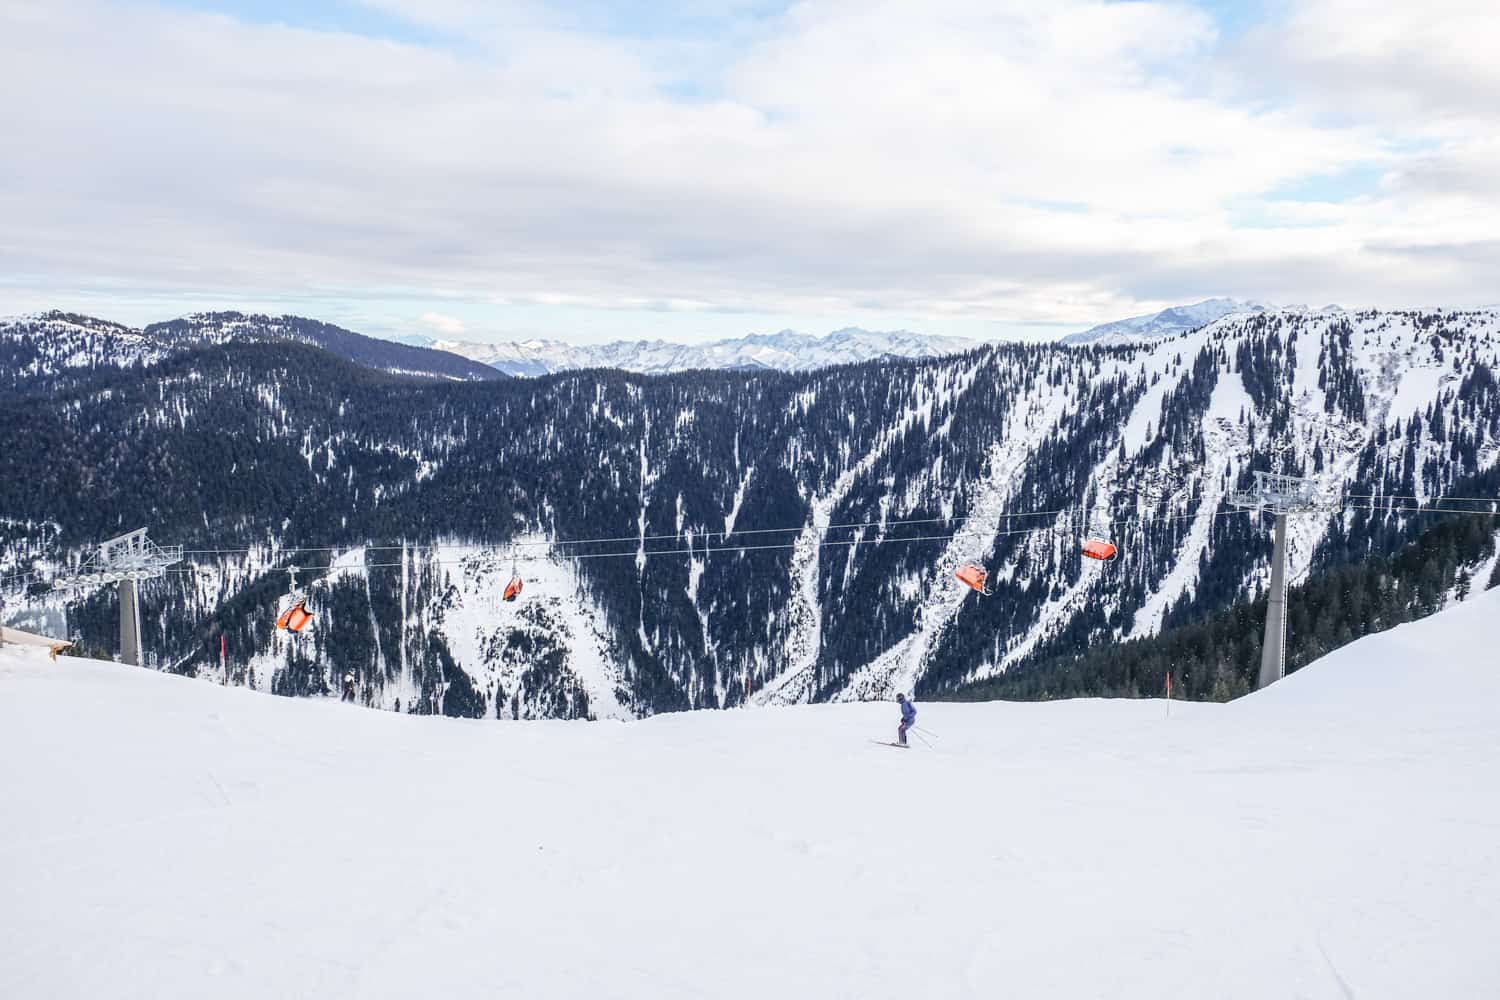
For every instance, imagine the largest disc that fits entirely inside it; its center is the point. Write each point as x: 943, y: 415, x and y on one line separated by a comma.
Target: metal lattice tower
x: 126, y: 560
x: 1281, y: 495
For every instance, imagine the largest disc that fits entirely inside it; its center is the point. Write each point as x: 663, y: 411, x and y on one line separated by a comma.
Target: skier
x: 908, y: 717
x: 348, y: 688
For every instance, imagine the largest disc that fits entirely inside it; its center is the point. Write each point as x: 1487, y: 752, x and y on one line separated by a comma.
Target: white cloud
x: 1026, y: 162
x: 444, y: 324
x: 1430, y: 65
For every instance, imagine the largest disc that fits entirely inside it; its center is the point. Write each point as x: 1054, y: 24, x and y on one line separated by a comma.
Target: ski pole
x: 918, y: 734
x: 929, y: 732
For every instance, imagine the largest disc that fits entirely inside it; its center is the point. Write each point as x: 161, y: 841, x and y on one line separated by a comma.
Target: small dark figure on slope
x: 908, y: 717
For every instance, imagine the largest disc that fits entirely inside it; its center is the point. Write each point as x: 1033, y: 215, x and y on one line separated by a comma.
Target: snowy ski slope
x: 1335, y: 836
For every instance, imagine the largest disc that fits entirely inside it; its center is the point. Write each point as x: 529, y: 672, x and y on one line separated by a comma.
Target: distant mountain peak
x: 1170, y: 321
x: 86, y: 341
x: 65, y: 318
x: 784, y: 350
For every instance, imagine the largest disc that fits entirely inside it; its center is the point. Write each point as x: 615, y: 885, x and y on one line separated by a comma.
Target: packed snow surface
x: 1335, y: 836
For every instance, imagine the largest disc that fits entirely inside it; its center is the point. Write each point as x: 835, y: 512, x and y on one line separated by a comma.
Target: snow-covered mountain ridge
x: 1007, y: 456
x: 784, y: 351
x: 93, y: 341
x: 168, y: 837
x: 55, y: 342
x: 73, y: 341
x: 1168, y: 322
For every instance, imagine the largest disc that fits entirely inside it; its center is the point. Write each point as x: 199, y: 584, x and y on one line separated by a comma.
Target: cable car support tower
x: 126, y: 560
x: 1280, y: 495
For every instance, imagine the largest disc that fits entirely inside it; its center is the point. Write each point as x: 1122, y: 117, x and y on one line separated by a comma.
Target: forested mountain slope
x: 1454, y: 560
x: 1007, y: 455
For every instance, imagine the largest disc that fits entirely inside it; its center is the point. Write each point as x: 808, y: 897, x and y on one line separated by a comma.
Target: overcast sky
x: 599, y: 170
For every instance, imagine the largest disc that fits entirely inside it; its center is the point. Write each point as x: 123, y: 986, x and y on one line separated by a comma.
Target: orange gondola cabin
x: 512, y: 589
x: 1098, y: 548
x: 972, y: 576
x: 295, y: 618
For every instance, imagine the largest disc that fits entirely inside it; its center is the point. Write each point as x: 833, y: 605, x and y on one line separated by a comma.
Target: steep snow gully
x: 1333, y: 836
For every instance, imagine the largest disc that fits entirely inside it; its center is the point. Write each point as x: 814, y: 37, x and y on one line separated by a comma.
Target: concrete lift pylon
x: 1281, y: 495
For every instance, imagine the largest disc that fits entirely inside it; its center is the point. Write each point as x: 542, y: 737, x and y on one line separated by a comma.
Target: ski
x: 884, y: 743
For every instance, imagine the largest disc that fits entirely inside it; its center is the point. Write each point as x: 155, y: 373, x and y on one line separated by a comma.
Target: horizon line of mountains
x: 786, y: 350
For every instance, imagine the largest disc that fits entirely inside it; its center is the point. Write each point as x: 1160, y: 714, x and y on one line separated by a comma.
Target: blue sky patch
x: 342, y: 16
x: 1337, y: 188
